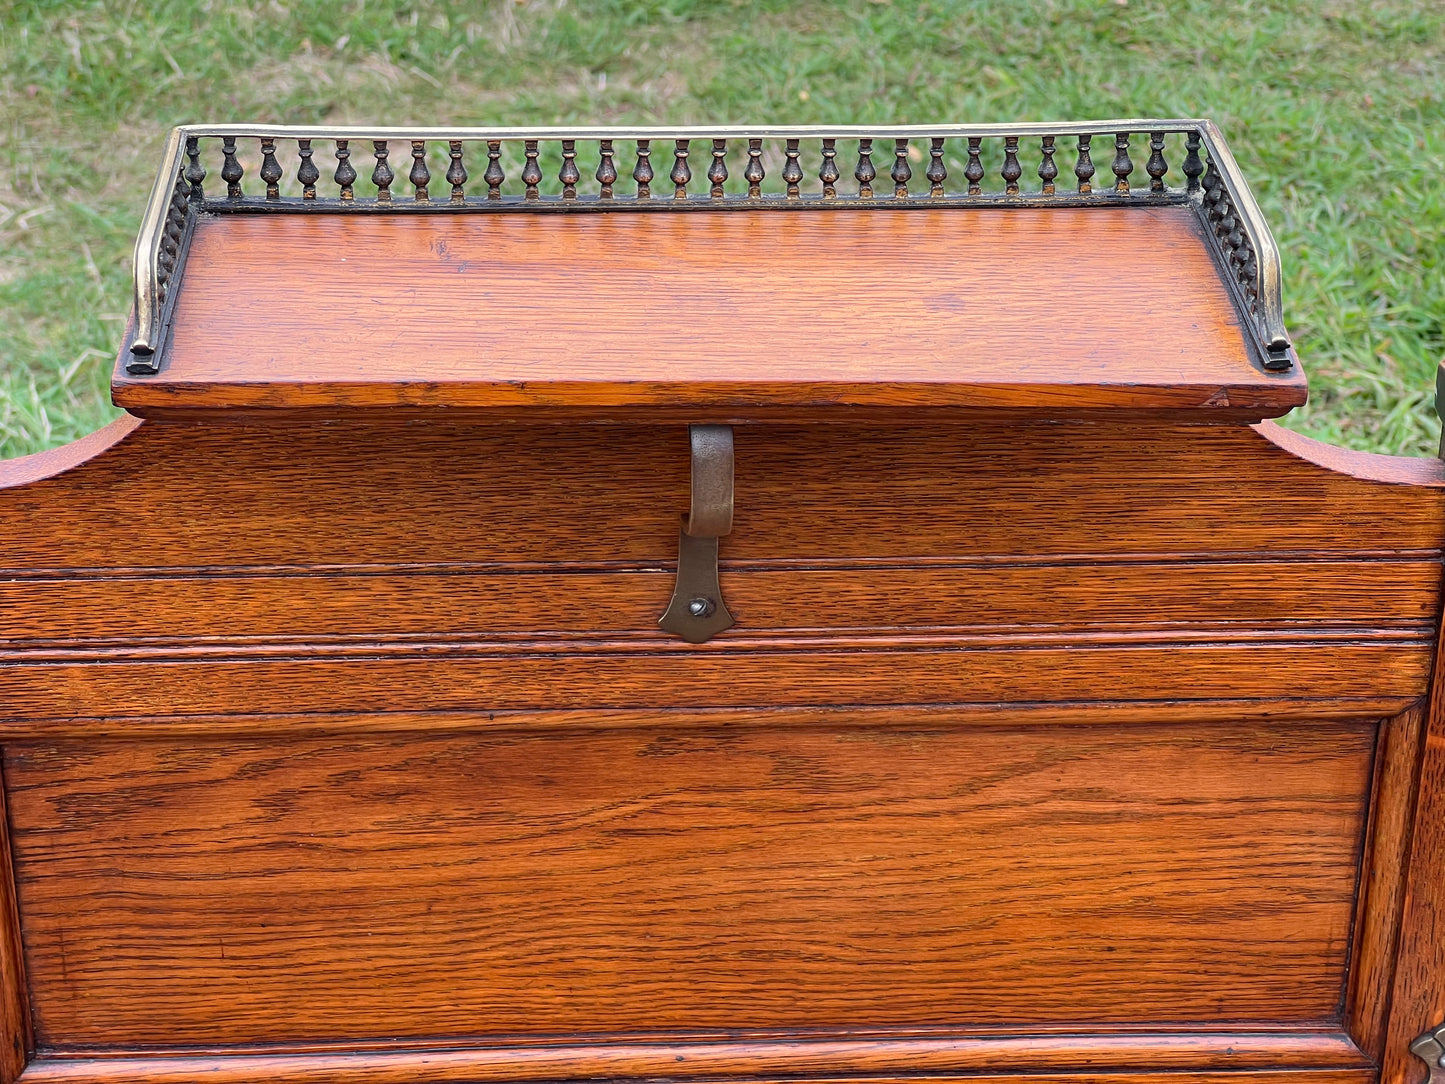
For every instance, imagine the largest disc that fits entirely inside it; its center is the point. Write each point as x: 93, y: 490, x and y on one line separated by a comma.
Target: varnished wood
x: 612, y: 496
x: 604, y: 882
x: 532, y: 676
x: 16, y: 1038
x: 1382, y: 883
x: 460, y: 1067
x: 850, y: 717
x: 709, y: 311
x: 1418, y: 992
x: 1060, y: 736
x: 1311, y: 1056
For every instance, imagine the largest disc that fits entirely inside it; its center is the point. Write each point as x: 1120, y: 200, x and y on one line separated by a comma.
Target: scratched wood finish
x: 601, y: 882
x: 720, y: 311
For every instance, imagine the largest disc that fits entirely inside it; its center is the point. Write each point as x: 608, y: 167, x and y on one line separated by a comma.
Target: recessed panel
x: 409, y: 886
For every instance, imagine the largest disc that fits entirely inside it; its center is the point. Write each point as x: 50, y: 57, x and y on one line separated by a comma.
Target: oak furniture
x: 717, y: 605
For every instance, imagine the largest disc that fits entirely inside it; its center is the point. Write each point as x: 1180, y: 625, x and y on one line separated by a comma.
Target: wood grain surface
x: 352, y: 753
x: 915, y: 308
x: 234, y: 892
x: 434, y: 568
x: 189, y: 497
x: 1418, y: 993
x: 17, y: 1041
x: 461, y: 1067
x: 1382, y: 884
x: 1248, y: 1057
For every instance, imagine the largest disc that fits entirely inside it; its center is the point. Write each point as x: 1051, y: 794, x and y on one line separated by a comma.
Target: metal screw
x: 701, y: 607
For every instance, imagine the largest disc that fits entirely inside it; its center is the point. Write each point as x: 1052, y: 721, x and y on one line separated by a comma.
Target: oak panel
x: 436, y: 885
x: 381, y: 496
x: 604, y: 311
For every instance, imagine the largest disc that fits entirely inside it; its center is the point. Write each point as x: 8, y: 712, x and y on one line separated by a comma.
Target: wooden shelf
x: 742, y: 315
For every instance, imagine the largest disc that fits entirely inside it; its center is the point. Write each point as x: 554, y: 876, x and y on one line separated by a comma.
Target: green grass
x: 1335, y: 109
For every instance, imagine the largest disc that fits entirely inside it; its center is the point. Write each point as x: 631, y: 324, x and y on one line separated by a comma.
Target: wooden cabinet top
x: 945, y: 281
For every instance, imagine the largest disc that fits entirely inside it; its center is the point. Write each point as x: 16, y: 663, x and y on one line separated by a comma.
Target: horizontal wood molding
x: 1180, y: 1057
x: 683, y: 720
x: 1199, y: 598
x: 670, y: 678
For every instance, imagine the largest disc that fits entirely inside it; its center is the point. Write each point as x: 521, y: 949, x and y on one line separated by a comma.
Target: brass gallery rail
x: 886, y: 165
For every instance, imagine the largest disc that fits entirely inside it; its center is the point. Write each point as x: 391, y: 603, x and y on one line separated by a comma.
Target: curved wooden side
x: 1367, y: 466
x: 26, y: 469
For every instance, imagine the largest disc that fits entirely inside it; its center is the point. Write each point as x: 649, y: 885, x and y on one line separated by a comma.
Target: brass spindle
x: 717, y: 171
x: 1193, y: 167
x: 420, y: 176
x: 792, y: 168
x: 606, y: 169
x: 382, y: 176
x: 1084, y: 169
x: 569, y: 174
x: 1156, y: 167
x: 345, y: 175
x: 495, y: 175
x: 865, y: 173
x: 937, y: 172
x: 1048, y: 170
x: 642, y: 172
x: 270, y: 169
x: 828, y: 172
x: 306, y: 173
x: 531, y: 171
x: 1123, y: 165
x: 456, y: 171
x: 231, y: 168
x: 754, y: 173
x: 901, y: 171
x: 195, y: 172
x: 681, y: 172
x: 974, y: 170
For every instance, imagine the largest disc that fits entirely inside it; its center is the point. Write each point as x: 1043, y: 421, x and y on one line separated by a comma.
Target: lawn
x: 1335, y: 110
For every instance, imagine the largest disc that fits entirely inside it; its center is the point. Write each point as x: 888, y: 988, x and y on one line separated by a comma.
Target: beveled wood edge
x: 701, y: 401
x: 17, y: 1039
x: 1382, y: 891
x: 850, y: 716
x: 963, y: 1054
x: 832, y: 414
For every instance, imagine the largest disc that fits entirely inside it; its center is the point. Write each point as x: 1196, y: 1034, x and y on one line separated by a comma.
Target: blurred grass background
x: 1335, y: 110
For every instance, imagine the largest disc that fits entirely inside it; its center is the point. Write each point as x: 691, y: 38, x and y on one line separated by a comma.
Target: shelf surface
x: 723, y: 314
